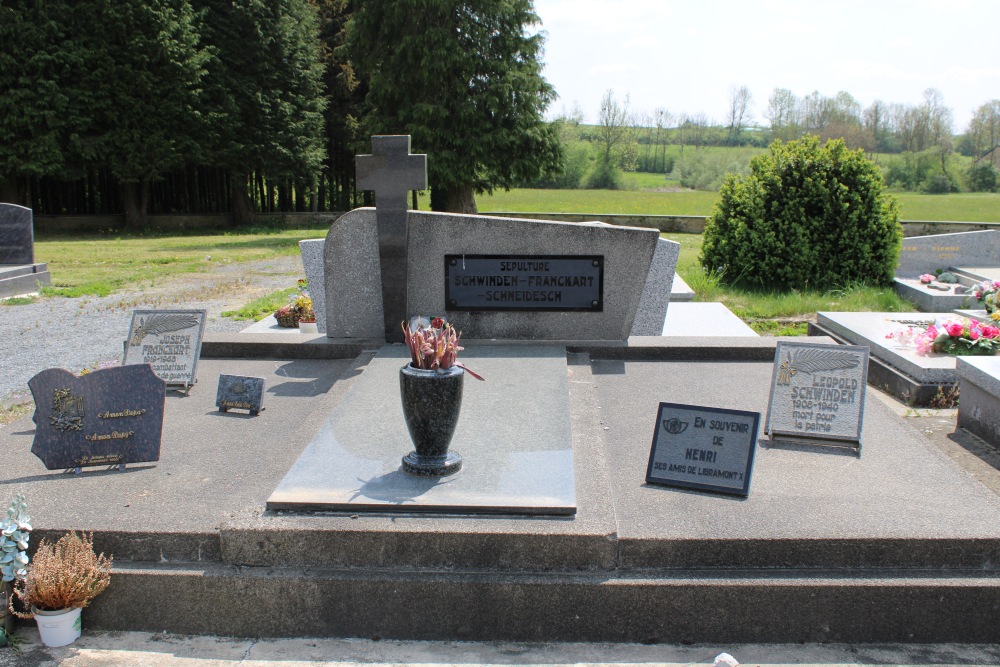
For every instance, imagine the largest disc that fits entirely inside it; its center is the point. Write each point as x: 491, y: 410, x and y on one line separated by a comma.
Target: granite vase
x: 432, y: 400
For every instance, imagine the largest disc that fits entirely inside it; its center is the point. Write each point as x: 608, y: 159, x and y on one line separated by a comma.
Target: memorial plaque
x: 106, y: 417
x: 572, y: 283
x: 167, y: 340
x: 818, y: 393
x: 710, y: 449
x: 238, y: 392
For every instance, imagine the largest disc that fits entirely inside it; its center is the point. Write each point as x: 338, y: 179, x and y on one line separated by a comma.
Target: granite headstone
x: 703, y: 448
x: 167, y: 340
x: 817, y: 393
x: 239, y: 392
x: 111, y: 416
x: 17, y: 240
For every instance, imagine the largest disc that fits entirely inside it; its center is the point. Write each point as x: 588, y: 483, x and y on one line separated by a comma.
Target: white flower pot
x: 308, y: 327
x: 58, y: 628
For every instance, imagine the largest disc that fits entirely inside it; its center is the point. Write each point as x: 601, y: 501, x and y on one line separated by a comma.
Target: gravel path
x: 74, y: 334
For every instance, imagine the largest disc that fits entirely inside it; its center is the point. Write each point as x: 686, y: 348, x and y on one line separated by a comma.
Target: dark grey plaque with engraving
x: 572, y: 283
x: 238, y: 392
x: 709, y: 449
x: 111, y: 416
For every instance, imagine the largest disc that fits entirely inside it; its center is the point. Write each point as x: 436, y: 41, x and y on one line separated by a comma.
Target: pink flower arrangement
x: 926, y: 278
x: 959, y: 337
x: 434, y: 345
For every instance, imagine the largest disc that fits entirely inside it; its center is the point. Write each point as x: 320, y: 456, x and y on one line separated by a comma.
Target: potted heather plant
x: 431, y: 392
x: 62, y: 579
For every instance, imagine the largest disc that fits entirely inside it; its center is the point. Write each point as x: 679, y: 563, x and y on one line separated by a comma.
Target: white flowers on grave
x: 14, y: 530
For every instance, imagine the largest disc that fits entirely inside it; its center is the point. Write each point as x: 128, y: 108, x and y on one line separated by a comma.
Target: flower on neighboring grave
x: 986, y: 294
x: 960, y: 337
x: 927, y: 278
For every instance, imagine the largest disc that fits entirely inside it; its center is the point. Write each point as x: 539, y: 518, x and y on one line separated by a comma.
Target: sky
x: 687, y: 55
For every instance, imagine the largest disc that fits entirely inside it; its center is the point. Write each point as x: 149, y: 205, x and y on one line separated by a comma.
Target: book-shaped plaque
x: 706, y: 449
x: 817, y: 394
x: 169, y: 341
x: 107, y: 417
x: 239, y: 392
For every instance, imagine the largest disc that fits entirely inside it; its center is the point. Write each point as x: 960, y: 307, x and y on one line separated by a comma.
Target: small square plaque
x: 817, y: 393
x: 167, y: 340
x: 709, y: 449
x: 238, y: 392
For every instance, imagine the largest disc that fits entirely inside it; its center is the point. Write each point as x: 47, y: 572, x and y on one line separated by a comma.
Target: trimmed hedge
x: 805, y: 217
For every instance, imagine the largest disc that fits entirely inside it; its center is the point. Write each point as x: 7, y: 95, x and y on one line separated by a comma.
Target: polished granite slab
x: 513, y: 435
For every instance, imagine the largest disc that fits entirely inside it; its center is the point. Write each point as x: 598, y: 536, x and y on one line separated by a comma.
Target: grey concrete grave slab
x: 927, y: 254
x: 17, y: 235
x: 979, y: 386
x: 680, y: 290
x: 354, y: 308
x: 704, y: 319
x: 871, y: 329
x: 516, y: 444
x: 936, y: 298
x: 805, y: 504
x: 979, y: 315
x: 269, y: 325
x: 980, y: 273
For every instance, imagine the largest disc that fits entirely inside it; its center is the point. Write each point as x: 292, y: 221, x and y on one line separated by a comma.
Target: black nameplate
x: 710, y: 449
x: 238, y: 392
x: 572, y: 283
x: 107, y: 417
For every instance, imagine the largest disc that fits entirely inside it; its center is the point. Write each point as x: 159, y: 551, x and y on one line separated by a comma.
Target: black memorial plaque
x: 239, y: 392
x: 107, y: 417
x: 709, y: 449
x: 571, y: 283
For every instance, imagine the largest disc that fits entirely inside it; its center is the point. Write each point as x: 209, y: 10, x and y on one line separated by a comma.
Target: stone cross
x: 392, y: 172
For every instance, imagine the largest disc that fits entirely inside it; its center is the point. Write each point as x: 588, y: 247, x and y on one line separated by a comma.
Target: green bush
x: 605, y: 176
x: 939, y: 184
x: 805, y: 216
x: 982, y: 177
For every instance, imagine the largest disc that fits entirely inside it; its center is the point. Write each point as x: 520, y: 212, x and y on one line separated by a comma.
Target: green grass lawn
x: 964, y: 207
x: 101, y: 264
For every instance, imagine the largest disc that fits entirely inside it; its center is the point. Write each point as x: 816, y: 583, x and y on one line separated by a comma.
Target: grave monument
x: 969, y: 258
x: 19, y: 273
x: 295, y: 522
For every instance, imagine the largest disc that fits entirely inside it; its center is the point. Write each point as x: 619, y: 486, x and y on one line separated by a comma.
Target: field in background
x: 962, y: 207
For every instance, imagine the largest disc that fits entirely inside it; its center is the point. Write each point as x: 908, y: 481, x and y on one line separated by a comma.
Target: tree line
x: 922, y: 135
x: 256, y: 106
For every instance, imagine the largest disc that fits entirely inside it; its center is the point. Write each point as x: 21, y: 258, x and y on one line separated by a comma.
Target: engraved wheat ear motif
x: 812, y: 360
x: 161, y: 323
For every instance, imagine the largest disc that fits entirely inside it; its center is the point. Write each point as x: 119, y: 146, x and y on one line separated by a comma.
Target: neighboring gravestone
x: 17, y: 240
x: 708, y: 449
x: 238, y: 392
x: 312, y: 263
x: 657, y: 293
x: 167, y: 340
x: 106, y: 417
x: 353, y: 292
x: 19, y: 274
x: 927, y: 254
x: 818, y: 393
x: 392, y: 172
